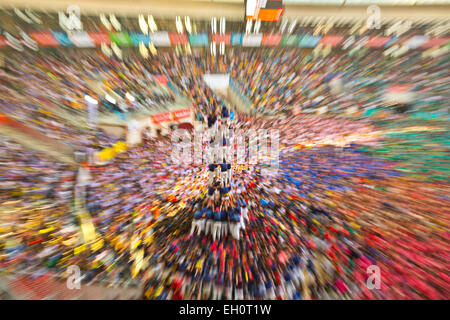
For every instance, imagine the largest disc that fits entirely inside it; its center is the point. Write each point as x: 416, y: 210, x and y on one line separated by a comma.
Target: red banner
x: 162, y: 117
x: 44, y: 38
x: 99, y: 37
x: 176, y: 38
x: 222, y: 38
x: 171, y: 116
x: 377, y: 42
x: 181, y: 114
x: 434, y: 42
x: 331, y: 40
x: 3, y: 43
x: 271, y: 39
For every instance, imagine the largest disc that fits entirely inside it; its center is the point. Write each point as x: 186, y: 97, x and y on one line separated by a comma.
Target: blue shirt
x: 224, y: 191
x: 224, y: 215
x: 198, y: 214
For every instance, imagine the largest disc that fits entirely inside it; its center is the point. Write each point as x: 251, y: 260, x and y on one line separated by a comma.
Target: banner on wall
x: 416, y: 41
x: 391, y: 41
x: 3, y: 43
x: 252, y: 40
x: 435, y: 42
x: 160, y: 39
x: 271, y: 39
x: 309, y: 41
x: 99, y: 37
x: 199, y: 40
x: 171, y: 116
x: 44, y: 38
x: 290, y: 40
x: 226, y: 38
x: 236, y: 39
x: 332, y: 40
x: 377, y: 42
x: 177, y: 38
x: 181, y: 114
x: 81, y: 39
x: 137, y: 38
x: 162, y: 117
x: 62, y: 38
x: 121, y: 39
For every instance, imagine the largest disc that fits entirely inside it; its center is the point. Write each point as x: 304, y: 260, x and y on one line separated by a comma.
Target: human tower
x: 220, y: 213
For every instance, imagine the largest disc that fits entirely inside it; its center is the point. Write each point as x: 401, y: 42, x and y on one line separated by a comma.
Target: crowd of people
x: 282, y: 81
x: 47, y: 92
x: 224, y: 229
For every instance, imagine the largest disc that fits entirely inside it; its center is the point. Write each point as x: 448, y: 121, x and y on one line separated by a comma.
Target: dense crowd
x: 282, y: 81
x: 224, y: 229
x: 47, y: 92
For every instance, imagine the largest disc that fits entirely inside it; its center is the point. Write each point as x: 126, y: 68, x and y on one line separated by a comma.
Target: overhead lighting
x: 179, y: 24
x: 187, y: 23
x: 90, y: 99
x: 152, y: 48
x: 178, y: 50
x: 317, y: 30
x: 115, y: 48
x: 130, y: 97
x: 143, y: 50
x: 106, y: 50
x: 354, y: 28
x: 22, y: 16
x: 188, y: 49
x: 283, y: 26
x: 257, y: 26
x: 248, y: 27
x: 105, y: 21
x: 222, y: 25
x: 213, y: 48
x: 33, y: 17
x: 13, y: 42
x: 110, y: 99
x: 115, y: 23
x: 328, y: 27
x: 348, y: 42
x: 292, y: 26
x: 438, y: 30
x: 213, y: 25
x: 152, y: 24
x: 143, y: 24
x: 400, y: 28
x: 30, y: 43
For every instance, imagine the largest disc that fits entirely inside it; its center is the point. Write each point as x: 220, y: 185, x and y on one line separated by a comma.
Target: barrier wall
x: 24, y: 129
x: 217, y: 80
x: 162, y: 121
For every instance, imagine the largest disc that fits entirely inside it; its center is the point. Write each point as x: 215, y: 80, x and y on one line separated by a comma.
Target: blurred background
x: 91, y: 92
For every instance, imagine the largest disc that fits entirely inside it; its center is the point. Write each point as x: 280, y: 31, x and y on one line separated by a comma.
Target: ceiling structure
x: 351, y: 10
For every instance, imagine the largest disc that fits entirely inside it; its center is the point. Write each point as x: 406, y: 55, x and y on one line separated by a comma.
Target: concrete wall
x: 114, y: 130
